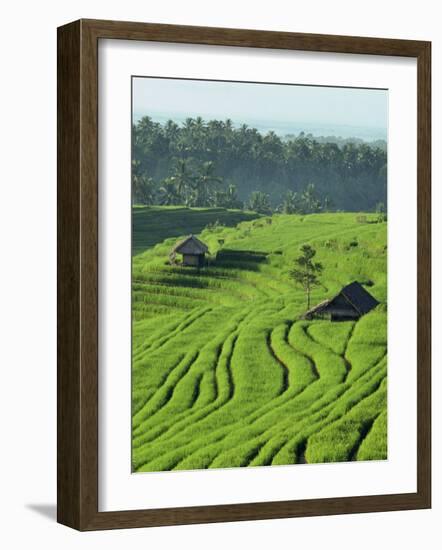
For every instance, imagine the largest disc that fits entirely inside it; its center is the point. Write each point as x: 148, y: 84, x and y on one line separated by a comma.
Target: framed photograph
x: 243, y: 274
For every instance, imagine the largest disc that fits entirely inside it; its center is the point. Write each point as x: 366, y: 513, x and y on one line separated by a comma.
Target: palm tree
x: 228, y: 124
x: 259, y: 202
x: 171, y: 131
x: 292, y: 203
x: 143, y: 187
x: 232, y: 197
x: 183, y: 179
x: 228, y: 198
x: 204, y: 184
x: 145, y: 125
x: 168, y: 194
x: 310, y: 199
x: 189, y: 123
x: 143, y: 190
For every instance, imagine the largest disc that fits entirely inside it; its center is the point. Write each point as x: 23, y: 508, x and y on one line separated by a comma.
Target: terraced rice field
x: 224, y: 373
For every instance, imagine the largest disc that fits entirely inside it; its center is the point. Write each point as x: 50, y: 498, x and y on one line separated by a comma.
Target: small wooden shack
x: 193, y: 251
x: 350, y: 303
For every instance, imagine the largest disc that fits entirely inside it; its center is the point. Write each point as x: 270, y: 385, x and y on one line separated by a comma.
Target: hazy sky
x: 245, y: 102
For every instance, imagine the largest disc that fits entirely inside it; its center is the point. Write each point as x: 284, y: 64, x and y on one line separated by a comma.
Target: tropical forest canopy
x: 213, y: 163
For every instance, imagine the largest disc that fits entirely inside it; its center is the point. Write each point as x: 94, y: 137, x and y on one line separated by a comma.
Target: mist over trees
x: 214, y: 163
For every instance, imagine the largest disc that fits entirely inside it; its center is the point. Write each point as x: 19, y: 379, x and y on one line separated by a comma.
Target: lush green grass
x: 224, y: 373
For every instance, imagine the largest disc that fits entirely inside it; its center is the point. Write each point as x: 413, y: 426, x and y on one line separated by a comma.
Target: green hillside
x: 224, y: 373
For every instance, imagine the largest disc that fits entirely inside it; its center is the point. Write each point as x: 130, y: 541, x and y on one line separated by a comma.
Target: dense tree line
x: 341, y: 142
x: 202, y: 163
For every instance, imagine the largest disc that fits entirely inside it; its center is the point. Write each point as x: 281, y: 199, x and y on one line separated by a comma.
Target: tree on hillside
x: 305, y: 202
x: 306, y: 272
x: 259, y: 202
x: 291, y: 203
x: 204, y: 185
x: 143, y: 190
x: 168, y: 193
x: 228, y: 198
x: 143, y: 187
x: 310, y: 200
x: 183, y: 179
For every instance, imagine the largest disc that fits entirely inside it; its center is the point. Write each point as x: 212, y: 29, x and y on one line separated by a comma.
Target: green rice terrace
x: 225, y: 373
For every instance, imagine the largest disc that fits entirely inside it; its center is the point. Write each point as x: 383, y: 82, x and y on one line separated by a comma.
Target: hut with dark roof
x: 193, y: 251
x: 350, y: 303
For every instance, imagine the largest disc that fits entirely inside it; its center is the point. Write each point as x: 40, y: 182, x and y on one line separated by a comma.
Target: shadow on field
x: 240, y: 259
x: 154, y: 224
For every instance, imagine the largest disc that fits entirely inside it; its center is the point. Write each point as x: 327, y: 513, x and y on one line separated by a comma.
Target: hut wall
x: 343, y: 314
x: 341, y: 309
x: 193, y: 260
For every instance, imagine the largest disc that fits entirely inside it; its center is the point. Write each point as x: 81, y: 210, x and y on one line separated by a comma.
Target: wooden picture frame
x: 78, y: 274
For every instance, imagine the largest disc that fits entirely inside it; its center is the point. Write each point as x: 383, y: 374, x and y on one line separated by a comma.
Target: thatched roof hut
x: 351, y: 302
x: 192, y: 249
